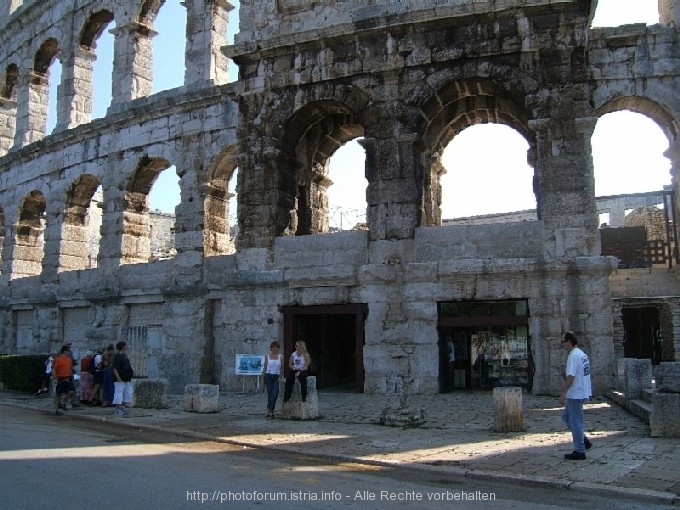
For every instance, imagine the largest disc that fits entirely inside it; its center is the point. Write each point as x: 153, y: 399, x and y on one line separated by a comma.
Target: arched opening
x: 475, y: 152
x: 136, y: 236
x: 169, y: 23
x: 483, y: 185
x: 80, y: 237
x: 347, y: 194
x: 45, y: 82
x: 99, y: 43
x: 633, y: 184
x: 29, y: 247
x: 163, y: 199
x: 315, y: 132
x: 220, y: 228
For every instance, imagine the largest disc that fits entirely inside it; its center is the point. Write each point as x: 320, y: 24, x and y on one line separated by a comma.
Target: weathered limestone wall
x: 405, y: 76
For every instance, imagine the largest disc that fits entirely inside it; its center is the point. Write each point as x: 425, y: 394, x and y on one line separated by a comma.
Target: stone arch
x: 313, y: 134
x: 453, y: 108
x: 644, y: 106
x: 148, y: 11
x: 45, y: 55
x: 77, y: 250
x: 93, y: 28
x: 136, y: 245
x: 30, y: 241
x: 217, y: 239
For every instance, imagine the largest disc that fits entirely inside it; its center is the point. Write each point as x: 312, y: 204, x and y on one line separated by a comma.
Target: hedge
x: 22, y: 372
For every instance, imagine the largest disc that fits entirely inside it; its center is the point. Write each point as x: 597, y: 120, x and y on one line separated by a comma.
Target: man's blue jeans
x: 572, y: 416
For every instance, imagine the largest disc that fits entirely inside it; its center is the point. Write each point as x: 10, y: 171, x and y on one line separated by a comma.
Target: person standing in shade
x: 123, y: 374
x: 575, y: 391
x: 271, y: 373
x: 62, y: 372
x: 298, y: 363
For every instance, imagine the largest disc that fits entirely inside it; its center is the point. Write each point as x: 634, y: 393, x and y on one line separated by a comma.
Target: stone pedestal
x: 398, y: 412
x: 202, y: 398
x: 635, y: 375
x: 295, y: 408
x: 664, y: 420
x: 507, y: 410
x: 150, y: 393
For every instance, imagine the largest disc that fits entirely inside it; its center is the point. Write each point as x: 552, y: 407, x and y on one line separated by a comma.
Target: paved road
x: 47, y: 462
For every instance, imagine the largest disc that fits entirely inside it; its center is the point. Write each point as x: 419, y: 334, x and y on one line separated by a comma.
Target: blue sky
x: 627, y: 148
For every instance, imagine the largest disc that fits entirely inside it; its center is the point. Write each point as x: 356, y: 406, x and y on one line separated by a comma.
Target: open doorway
x: 334, y: 335
x: 642, y: 333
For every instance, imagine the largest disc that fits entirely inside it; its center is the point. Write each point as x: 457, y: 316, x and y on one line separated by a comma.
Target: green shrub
x: 22, y: 372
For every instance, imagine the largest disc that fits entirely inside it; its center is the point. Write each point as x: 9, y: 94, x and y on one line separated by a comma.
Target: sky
x: 627, y: 148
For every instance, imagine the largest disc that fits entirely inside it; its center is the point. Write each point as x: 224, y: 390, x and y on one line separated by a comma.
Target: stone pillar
x: 112, y: 228
x: 393, y: 194
x: 636, y: 375
x: 207, y: 24
x: 673, y: 154
x: 132, y: 64
x: 53, y: 242
x: 266, y: 193
x: 664, y: 420
x: 507, y: 410
x: 669, y: 12
x: 296, y: 409
x: 8, y: 112
x: 32, y: 97
x: 566, y: 186
x: 74, y: 97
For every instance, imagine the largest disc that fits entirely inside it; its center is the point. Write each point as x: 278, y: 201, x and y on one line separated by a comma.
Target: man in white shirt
x: 575, y: 391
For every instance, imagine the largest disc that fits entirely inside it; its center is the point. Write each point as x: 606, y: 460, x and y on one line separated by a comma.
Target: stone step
x: 640, y: 408
x: 618, y: 397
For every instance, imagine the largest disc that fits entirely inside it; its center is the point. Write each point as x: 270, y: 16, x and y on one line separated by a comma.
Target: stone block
x: 667, y: 377
x: 664, y: 420
x: 202, y: 398
x: 637, y: 376
x: 295, y: 408
x: 507, y: 410
x: 150, y: 393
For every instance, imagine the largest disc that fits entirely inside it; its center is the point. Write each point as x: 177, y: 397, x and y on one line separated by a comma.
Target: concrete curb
x: 451, y: 472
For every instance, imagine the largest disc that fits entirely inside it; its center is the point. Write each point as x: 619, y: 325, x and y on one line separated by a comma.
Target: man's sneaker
x: 575, y: 456
x: 58, y: 412
x: 120, y: 412
x: 587, y: 442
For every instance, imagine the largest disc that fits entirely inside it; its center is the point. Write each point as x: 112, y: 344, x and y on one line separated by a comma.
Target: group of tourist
x: 105, y: 378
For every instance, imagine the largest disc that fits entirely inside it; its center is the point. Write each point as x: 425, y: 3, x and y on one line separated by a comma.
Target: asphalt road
x: 60, y: 463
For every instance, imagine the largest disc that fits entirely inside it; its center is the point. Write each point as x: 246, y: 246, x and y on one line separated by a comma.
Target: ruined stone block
x: 150, y: 393
x: 507, y: 410
x: 296, y: 409
x: 202, y: 398
x: 667, y: 377
x: 664, y: 420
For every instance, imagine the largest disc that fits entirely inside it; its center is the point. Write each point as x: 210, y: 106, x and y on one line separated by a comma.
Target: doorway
x: 334, y: 335
x: 642, y: 333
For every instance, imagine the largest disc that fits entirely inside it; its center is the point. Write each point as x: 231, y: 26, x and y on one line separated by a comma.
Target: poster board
x: 249, y: 364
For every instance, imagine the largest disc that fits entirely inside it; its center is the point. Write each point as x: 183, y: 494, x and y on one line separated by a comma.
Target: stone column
x: 8, y: 111
x: 393, y: 193
x: 132, y: 64
x: 32, y: 98
x: 52, y: 239
x: 565, y: 184
x: 207, y: 24
x: 266, y: 190
x: 673, y: 153
x: 669, y: 12
x: 112, y: 227
x: 74, y: 95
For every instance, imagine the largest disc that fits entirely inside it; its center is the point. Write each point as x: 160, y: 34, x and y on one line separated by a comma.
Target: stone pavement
x: 457, y: 440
